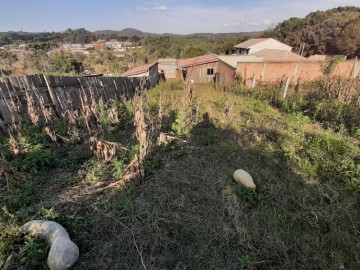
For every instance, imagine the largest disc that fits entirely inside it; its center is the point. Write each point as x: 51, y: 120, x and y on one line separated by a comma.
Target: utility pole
x: 302, y: 50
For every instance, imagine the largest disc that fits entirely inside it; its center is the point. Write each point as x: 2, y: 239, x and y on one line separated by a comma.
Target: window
x: 210, y: 71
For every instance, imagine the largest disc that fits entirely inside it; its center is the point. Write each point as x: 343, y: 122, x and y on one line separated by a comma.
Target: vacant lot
x: 188, y: 213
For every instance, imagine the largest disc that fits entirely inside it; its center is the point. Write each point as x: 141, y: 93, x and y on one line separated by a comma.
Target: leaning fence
x: 35, y: 98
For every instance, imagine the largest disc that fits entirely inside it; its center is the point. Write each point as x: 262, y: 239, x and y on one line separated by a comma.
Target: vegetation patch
x: 188, y: 212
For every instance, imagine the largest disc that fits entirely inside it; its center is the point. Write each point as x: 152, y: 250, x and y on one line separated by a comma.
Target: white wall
x: 269, y: 44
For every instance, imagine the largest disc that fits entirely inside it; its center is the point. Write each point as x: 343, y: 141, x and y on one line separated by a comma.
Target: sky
x: 159, y: 16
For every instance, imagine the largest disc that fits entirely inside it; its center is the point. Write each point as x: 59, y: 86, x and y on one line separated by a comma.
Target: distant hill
x: 125, y: 32
x: 82, y: 35
x: 135, y: 32
x: 334, y: 31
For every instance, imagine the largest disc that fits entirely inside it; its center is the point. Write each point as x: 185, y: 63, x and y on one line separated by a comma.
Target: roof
x: 250, y: 42
x: 199, y: 60
x: 138, y: 70
x: 232, y: 60
x: 277, y: 55
x: 98, y: 46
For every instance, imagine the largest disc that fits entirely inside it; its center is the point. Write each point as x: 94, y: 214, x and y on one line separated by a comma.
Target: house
x: 222, y: 68
x: 149, y: 70
x: 168, y: 67
x: 199, y: 69
x: 257, y: 44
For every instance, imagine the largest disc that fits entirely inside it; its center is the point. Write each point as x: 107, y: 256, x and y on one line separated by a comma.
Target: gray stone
x: 63, y: 252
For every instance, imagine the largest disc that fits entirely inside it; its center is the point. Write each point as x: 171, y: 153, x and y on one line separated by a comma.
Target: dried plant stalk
x: 50, y: 133
x: 134, y: 171
x: 8, y: 177
x: 139, y: 121
x: 31, y: 108
x: 341, y: 89
x: 104, y: 150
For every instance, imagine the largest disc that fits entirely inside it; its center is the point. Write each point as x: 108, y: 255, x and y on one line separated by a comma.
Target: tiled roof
x: 209, y: 58
x: 232, y: 60
x: 137, y: 70
x: 250, y: 42
x: 277, y: 55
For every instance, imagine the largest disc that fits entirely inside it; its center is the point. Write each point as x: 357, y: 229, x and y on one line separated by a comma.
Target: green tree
x: 193, y: 52
x: 66, y: 64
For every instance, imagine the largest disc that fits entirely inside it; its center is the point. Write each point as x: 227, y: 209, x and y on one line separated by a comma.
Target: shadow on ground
x: 189, y: 214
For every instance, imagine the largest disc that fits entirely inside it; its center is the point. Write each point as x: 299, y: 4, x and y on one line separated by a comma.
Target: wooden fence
x: 42, y: 97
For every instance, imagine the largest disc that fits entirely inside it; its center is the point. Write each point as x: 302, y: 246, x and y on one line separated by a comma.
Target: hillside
x: 82, y: 35
x: 188, y: 212
x: 335, y: 31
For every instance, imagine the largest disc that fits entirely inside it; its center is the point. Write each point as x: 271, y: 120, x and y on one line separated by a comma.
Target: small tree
x: 66, y: 64
x: 7, y: 59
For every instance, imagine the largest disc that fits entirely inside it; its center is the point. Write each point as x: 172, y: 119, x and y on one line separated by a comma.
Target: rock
x: 63, y: 252
x: 244, y: 178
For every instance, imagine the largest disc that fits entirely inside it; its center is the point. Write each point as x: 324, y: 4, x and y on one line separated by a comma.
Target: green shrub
x: 33, y: 254
x: 126, y: 114
x: 118, y: 168
x: 185, y: 119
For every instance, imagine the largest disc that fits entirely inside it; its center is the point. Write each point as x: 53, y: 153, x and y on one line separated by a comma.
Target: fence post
x: 254, y: 81
x: 355, y: 67
x: 2, y: 126
x: 286, y: 87
x: 263, y: 72
x: 53, y: 97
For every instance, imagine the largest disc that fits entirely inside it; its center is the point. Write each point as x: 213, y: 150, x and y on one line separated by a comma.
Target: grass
x: 188, y: 213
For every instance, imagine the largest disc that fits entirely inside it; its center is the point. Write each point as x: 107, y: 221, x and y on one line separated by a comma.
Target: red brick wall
x: 272, y: 72
x: 227, y: 73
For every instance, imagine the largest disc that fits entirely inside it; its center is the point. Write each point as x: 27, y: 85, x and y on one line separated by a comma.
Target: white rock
x: 244, y: 178
x: 63, y: 252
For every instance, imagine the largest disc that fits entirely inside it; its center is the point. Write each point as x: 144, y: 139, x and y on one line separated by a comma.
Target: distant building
x: 87, y: 46
x: 257, y: 44
x: 149, y: 70
x: 98, y: 46
x: 76, y: 46
x: 115, y: 45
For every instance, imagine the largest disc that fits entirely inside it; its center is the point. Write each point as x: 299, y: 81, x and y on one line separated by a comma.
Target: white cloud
x: 186, y: 17
x: 161, y: 8
x: 267, y: 22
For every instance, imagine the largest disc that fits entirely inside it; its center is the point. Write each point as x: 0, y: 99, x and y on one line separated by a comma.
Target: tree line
x: 334, y: 31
